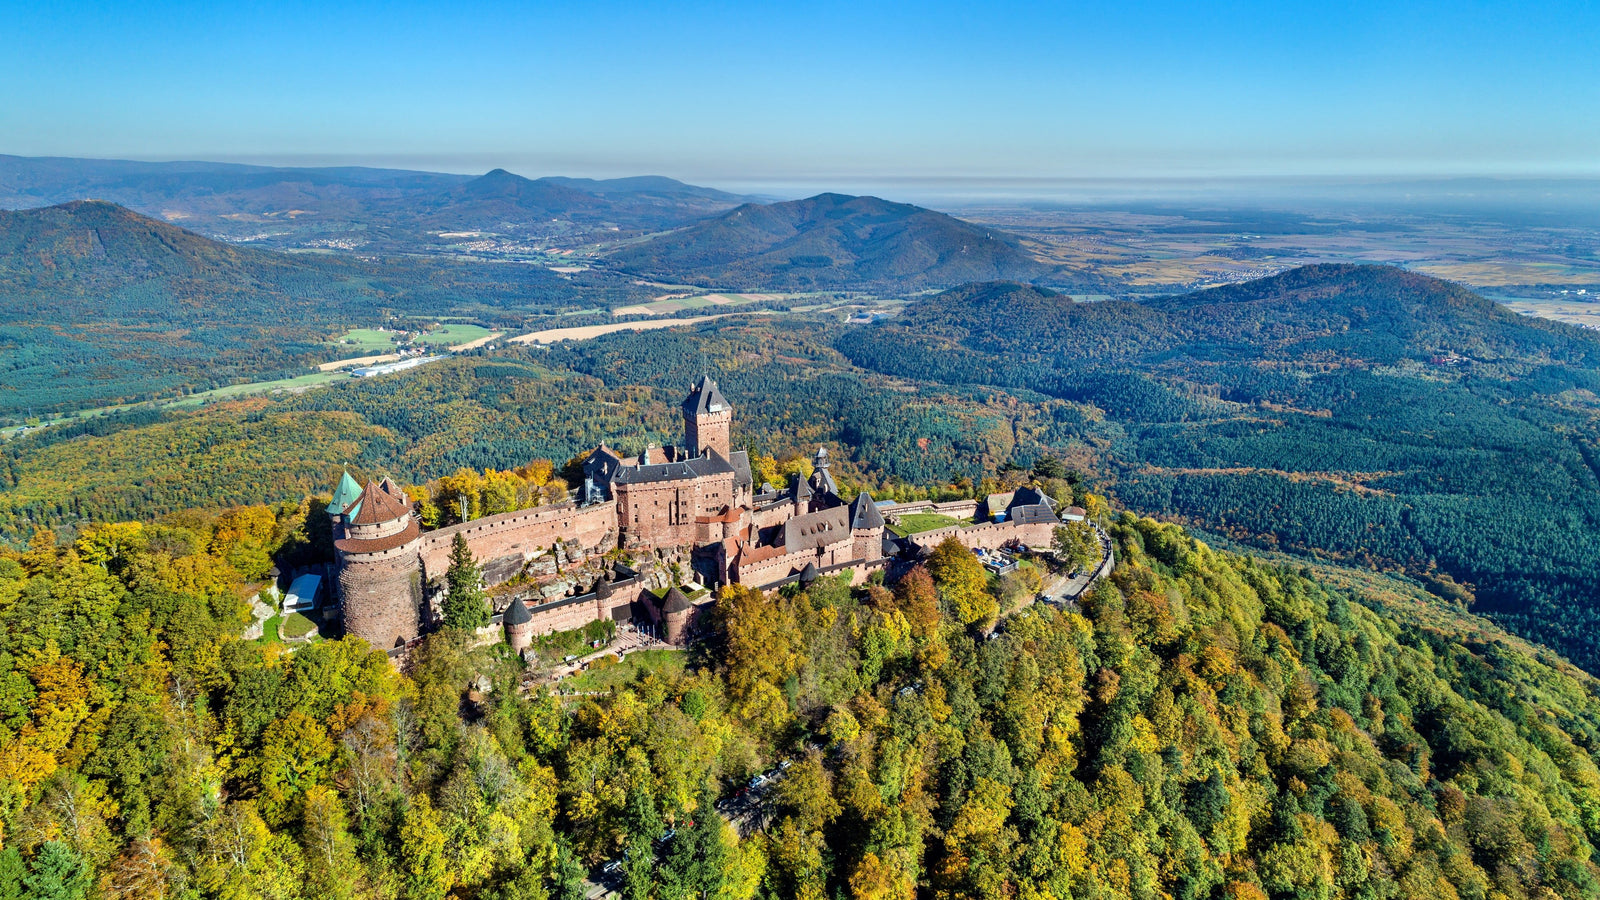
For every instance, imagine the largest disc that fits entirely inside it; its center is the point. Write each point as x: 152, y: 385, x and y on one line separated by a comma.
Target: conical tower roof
x: 347, y: 493
x: 517, y: 613
x: 378, y: 505
x: 864, y: 513
x: 675, y: 601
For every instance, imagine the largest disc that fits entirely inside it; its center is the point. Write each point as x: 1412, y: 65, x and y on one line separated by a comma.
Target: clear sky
x: 746, y: 91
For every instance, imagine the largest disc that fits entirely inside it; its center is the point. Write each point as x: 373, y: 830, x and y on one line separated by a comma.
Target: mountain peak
x: 833, y: 241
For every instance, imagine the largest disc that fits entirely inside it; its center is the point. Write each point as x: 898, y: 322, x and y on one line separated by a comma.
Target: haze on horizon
x: 754, y: 95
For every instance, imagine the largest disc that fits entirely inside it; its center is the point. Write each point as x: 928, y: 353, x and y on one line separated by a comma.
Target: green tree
x: 465, y: 606
x: 644, y: 825
x: 58, y: 874
x: 568, y: 873
x: 1076, y: 545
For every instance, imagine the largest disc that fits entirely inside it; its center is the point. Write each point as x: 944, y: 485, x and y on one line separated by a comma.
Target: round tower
x: 380, y: 571
x: 519, y: 625
x: 676, y: 610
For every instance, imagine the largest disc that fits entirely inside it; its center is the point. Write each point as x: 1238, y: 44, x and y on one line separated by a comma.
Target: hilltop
x: 102, y: 305
x: 501, y: 201
x: 831, y: 241
x: 1379, y: 314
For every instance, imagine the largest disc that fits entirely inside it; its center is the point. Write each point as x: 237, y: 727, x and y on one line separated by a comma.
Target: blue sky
x: 750, y: 92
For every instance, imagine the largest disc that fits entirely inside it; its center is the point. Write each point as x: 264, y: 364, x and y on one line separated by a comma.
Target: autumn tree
x: 962, y: 583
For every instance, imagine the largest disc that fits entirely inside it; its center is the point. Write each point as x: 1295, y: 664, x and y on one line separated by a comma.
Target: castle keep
x: 686, y: 514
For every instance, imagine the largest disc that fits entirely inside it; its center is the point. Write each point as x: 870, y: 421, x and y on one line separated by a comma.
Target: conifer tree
x: 465, y: 606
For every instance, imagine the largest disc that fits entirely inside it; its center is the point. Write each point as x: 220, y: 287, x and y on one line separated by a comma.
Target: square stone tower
x: 707, y: 420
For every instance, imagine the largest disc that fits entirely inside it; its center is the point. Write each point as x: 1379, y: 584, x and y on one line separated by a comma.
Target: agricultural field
x: 365, y: 341
x: 672, y: 304
x: 455, y: 336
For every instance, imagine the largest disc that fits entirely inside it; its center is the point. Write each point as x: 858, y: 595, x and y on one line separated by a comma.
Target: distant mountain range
x: 831, y: 241
x: 661, y: 228
x: 376, y: 208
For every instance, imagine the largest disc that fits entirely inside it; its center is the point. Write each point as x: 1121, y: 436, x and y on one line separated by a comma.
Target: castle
x: 683, y: 515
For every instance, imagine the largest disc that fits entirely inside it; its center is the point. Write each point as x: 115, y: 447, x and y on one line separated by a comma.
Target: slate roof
x: 816, y: 530
x: 740, y: 460
x: 822, y: 482
x: 517, y: 613
x: 710, y: 464
x: 809, y: 573
x: 705, y: 398
x: 378, y: 505
x: 344, y: 496
x: 1029, y: 496
x: 675, y: 601
x: 1033, y: 513
x: 864, y: 513
x: 605, y: 455
x: 799, y: 489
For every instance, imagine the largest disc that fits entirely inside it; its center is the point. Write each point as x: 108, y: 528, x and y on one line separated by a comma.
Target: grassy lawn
x: 916, y: 523
x: 269, y: 629
x: 605, y: 678
x: 315, y: 379
x: 298, y: 626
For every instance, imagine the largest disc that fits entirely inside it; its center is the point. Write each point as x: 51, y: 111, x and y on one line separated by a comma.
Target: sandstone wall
x: 989, y: 536
x: 524, y: 532
x: 646, y: 511
x: 382, y: 596
x: 960, y: 509
x: 778, y: 567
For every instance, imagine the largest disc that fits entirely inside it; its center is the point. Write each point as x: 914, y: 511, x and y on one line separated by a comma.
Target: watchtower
x: 707, y: 420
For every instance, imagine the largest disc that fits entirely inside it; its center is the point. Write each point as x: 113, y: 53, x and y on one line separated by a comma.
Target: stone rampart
x: 989, y: 535
x: 525, y: 532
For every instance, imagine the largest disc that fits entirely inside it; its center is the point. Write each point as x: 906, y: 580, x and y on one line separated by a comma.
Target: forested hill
x: 1359, y: 412
x: 1208, y: 726
x: 101, y: 305
x: 1370, y: 314
x: 500, y: 201
x: 832, y: 241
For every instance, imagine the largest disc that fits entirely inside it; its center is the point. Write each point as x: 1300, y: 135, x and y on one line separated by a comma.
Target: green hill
x: 1362, y: 413
x: 100, y: 305
x: 831, y: 241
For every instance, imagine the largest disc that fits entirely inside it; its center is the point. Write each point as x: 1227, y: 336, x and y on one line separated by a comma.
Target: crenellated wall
x: 524, y: 532
x: 989, y: 535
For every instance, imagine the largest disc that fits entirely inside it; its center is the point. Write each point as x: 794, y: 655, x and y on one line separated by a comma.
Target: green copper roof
x: 345, y: 494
